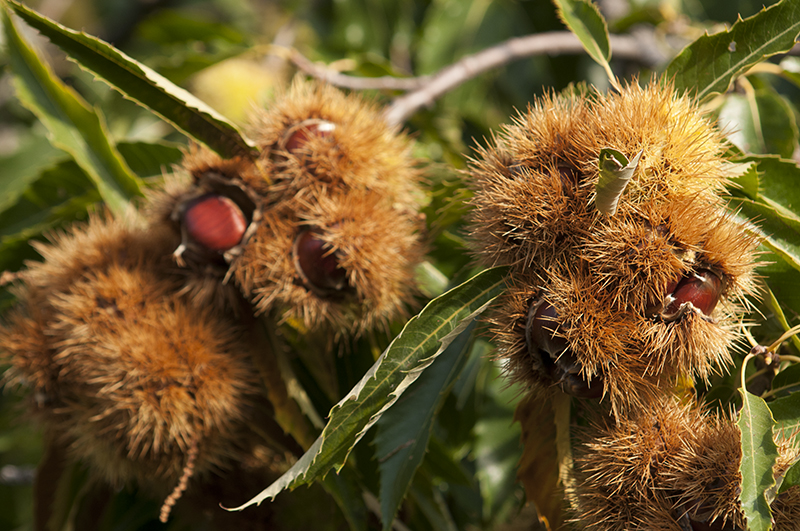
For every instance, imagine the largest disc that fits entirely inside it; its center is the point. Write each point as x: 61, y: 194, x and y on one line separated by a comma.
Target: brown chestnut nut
x: 298, y: 136
x: 555, y: 354
x: 215, y: 222
x: 317, y: 264
x: 702, y: 288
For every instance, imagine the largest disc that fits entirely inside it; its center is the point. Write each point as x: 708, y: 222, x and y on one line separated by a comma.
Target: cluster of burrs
x: 628, y: 277
x: 136, y: 336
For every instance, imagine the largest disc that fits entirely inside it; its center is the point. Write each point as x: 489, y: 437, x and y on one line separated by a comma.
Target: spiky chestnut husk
x: 315, y: 137
x: 331, y: 167
x: 124, y: 370
x: 205, y: 261
x: 786, y: 510
x: 616, y: 282
x: 369, y: 246
x: 670, y: 466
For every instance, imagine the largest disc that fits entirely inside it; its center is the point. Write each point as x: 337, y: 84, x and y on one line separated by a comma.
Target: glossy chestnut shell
x: 317, y: 265
x: 702, y: 288
x: 555, y: 353
x: 299, y: 135
x: 215, y: 222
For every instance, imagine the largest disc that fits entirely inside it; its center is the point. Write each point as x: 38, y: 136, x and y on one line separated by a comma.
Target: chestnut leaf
x: 143, y: 85
x: 72, y: 125
x: 759, y: 454
x: 424, y: 337
x: 708, y: 65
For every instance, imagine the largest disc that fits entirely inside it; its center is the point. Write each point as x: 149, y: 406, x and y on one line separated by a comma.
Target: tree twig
x: 353, y: 82
x: 425, y: 89
x: 550, y: 43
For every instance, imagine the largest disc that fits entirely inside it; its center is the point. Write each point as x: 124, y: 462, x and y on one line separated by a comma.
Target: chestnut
x: 317, y: 264
x: 702, y: 288
x: 215, y: 222
x: 298, y: 136
x: 555, y: 354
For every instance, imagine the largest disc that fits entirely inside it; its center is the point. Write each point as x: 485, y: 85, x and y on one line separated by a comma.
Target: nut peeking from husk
x: 554, y: 353
x: 702, y: 290
x: 341, y: 231
x: 216, y: 216
x: 215, y: 222
x: 134, y: 371
x: 317, y: 264
x: 296, y: 138
x: 645, y: 296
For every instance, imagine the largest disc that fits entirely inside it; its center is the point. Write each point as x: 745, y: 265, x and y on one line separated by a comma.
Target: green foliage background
x: 461, y: 407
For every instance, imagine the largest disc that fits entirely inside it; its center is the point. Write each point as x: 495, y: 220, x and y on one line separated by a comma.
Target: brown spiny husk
x: 377, y: 246
x: 362, y: 152
x: 608, y: 277
x: 665, y: 467
x: 786, y: 510
x: 124, y: 369
x: 357, y: 186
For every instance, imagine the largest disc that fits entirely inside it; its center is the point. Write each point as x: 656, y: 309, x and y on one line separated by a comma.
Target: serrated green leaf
x: 615, y: 174
x: 710, y: 64
x: 150, y: 159
x: 787, y: 419
x: 759, y: 454
x: 24, y: 167
x: 746, y: 180
x: 777, y: 182
x: 584, y: 20
x: 424, y: 337
x: 143, y: 85
x: 404, y: 430
x: 781, y: 230
x: 72, y: 125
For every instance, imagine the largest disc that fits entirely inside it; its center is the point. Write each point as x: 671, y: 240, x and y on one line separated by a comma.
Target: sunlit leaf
x: 143, y: 85
x: 785, y: 412
x: 584, y: 20
x: 710, y: 64
x: 778, y: 124
x: 759, y: 454
x: 422, y: 340
x: 737, y: 115
x: 71, y: 124
x: 781, y: 230
x: 777, y: 182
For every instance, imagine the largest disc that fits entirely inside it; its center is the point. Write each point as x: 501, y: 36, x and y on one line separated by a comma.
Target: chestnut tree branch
x: 550, y: 43
x: 424, y: 90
